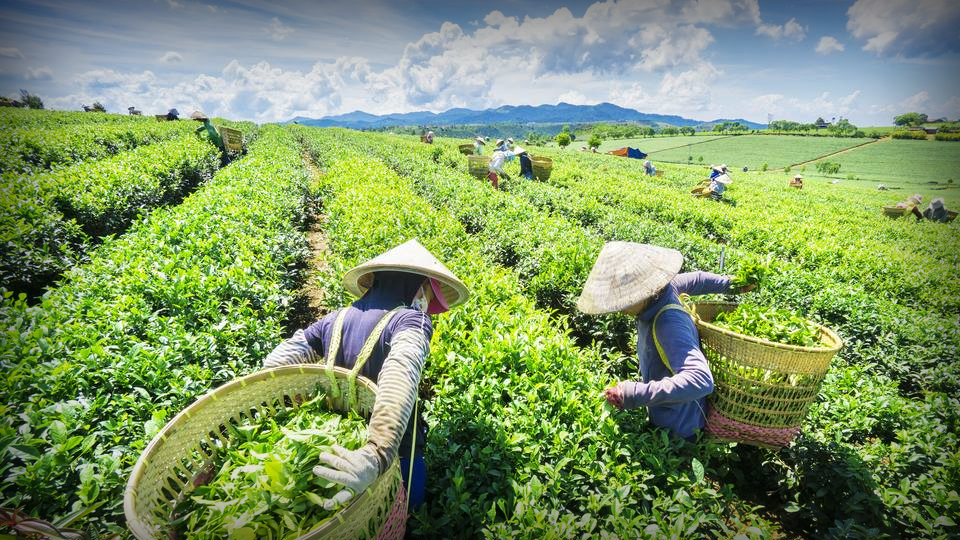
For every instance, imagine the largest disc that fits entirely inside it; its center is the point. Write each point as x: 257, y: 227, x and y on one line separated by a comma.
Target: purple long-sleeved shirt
x: 676, y: 402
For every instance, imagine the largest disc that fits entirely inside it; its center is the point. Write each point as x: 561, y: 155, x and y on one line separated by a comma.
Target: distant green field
x: 651, y: 144
x: 901, y: 161
x: 754, y: 150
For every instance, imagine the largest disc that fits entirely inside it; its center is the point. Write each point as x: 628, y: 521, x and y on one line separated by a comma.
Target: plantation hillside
x: 137, y: 276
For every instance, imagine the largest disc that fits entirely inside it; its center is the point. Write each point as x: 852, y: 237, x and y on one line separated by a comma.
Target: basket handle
x: 332, y: 352
x: 364, y: 355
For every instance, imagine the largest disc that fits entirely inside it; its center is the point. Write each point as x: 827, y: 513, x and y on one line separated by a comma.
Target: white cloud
x: 908, y: 28
x: 789, y: 30
x: 277, y: 30
x: 260, y: 91
x: 170, y: 57
x: 39, y: 74
x: 916, y: 102
x: 10, y: 52
x: 801, y: 110
x: 949, y: 109
x: 453, y: 67
x: 828, y: 45
x: 682, y: 93
x: 574, y: 97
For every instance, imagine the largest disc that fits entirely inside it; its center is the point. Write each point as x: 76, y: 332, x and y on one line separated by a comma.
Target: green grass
x: 645, y: 144
x: 754, y: 150
x: 898, y: 161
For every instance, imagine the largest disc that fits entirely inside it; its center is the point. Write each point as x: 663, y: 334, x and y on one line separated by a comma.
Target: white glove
x: 355, y: 469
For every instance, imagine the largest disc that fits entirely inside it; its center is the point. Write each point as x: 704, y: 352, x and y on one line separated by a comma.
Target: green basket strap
x: 365, y: 353
x: 656, y: 341
x: 332, y: 351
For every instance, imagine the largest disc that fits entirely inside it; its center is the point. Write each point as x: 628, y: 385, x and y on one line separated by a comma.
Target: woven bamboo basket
x: 189, y: 442
x: 466, y: 149
x: 762, y: 389
x: 479, y: 166
x: 542, y: 167
x: 896, y: 211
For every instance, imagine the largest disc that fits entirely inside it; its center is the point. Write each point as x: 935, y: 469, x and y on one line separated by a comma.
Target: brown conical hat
x: 407, y: 257
x: 626, y: 274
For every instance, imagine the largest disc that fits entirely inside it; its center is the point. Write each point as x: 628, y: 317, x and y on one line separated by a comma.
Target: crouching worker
x: 641, y: 280
x: 387, y: 331
x: 495, y: 167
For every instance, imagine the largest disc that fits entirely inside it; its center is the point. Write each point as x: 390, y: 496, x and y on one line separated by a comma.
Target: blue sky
x: 866, y: 60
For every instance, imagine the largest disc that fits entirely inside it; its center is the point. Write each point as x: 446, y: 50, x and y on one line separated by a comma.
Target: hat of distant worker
x: 627, y: 274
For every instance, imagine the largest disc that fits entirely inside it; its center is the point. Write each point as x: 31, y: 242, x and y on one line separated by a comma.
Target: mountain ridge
x: 522, y: 114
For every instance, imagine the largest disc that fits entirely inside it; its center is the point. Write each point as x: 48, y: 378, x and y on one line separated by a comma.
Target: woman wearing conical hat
x: 398, y: 291
x: 643, y: 281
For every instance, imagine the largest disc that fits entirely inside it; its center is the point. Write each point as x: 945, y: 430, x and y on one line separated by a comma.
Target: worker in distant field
x: 509, y: 143
x: 496, y: 167
x: 389, y: 324
x: 717, y: 170
x: 642, y: 281
x: 173, y: 114
x: 500, y: 146
x: 718, y: 185
x: 478, y: 145
x: 428, y: 138
x: 209, y: 129
x: 526, y: 165
x: 649, y: 168
x: 936, y: 211
x: 797, y: 181
x: 913, y: 203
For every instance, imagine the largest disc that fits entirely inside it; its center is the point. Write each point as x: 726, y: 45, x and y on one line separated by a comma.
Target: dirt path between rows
x: 310, y: 303
x: 861, y: 145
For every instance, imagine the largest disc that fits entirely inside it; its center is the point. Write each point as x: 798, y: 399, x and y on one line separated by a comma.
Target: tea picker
x: 226, y: 139
x: 384, y: 336
x: 642, y: 280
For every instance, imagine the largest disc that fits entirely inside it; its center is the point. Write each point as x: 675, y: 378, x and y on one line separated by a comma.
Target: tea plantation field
x: 752, y: 151
x: 192, y: 286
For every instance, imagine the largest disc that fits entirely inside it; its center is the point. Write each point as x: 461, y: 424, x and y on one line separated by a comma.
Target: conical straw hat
x: 626, y: 274
x: 407, y: 257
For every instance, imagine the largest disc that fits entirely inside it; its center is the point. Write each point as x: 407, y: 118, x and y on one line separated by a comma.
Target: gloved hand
x: 355, y: 469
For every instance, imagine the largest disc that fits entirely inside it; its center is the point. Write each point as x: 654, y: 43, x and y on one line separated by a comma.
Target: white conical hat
x: 723, y: 179
x: 407, y: 257
x: 626, y: 274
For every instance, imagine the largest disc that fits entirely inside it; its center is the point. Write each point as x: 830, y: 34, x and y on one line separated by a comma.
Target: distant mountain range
x: 522, y: 114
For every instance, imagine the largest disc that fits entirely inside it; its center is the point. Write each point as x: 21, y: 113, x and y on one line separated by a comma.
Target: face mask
x: 420, y: 302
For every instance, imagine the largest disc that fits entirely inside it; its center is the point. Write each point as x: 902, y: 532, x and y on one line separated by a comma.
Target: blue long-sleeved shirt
x: 675, y: 401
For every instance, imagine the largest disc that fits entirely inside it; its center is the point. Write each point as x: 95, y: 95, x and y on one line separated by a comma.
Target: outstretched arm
x: 396, y: 395
x: 295, y: 350
x: 691, y: 378
x: 697, y: 283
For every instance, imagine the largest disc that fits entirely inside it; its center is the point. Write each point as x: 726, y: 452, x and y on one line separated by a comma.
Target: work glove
x: 354, y: 469
x: 396, y: 395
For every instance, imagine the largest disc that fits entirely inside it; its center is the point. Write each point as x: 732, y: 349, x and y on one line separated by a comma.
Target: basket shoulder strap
x: 366, y: 351
x: 656, y: 340
x: 333, y: 349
